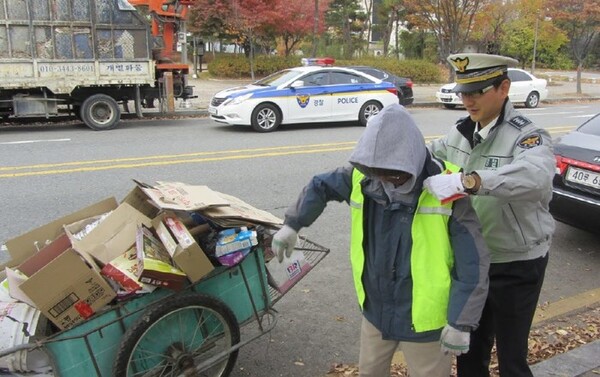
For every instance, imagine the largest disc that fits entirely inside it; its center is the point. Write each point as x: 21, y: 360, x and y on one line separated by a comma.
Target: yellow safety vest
x: 431, y: 258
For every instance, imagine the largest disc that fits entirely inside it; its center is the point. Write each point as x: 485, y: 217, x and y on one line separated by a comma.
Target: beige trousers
x: 422, y: 359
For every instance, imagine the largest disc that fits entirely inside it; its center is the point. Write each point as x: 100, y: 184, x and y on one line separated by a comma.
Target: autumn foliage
x: 288, y: 21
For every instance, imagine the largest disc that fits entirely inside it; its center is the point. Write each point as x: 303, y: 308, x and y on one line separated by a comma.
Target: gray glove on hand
x: 284, y: 241
x: 454, y: 341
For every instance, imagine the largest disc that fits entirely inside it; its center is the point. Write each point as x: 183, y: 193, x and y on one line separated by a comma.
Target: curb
x: 428, y: 104
x: 571, y: 364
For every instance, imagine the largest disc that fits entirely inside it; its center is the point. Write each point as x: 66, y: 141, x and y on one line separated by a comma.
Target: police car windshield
x: 278, y: 78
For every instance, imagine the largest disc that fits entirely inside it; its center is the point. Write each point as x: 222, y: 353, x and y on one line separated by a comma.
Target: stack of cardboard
x: 61, y: 267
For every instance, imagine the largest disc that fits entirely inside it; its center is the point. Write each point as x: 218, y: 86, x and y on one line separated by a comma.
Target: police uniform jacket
x: 516, y: 165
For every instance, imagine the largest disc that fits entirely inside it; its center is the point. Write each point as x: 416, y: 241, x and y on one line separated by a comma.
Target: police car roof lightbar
x: 317, y: 61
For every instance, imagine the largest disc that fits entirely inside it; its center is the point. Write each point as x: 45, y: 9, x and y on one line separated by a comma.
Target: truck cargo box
x: 63, y: 44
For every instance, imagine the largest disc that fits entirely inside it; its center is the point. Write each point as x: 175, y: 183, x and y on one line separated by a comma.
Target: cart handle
x: 20, y: 347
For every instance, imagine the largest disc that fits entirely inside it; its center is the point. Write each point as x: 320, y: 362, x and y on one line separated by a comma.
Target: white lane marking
x: 569, y: 114
x: 35, y: 141
x: 582, y: 116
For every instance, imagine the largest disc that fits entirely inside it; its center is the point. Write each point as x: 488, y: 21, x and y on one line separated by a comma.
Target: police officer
x: 419, y: 266
x: 507, y: 168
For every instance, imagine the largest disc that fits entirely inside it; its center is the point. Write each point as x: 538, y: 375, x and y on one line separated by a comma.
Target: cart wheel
x: 176, y: 336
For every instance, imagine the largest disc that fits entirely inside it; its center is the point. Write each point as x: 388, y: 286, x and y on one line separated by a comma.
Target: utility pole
x: 183, y: 41
x: 315, y: 30
x: 535, y: 41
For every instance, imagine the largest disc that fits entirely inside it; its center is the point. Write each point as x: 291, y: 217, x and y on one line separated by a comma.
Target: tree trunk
x: 347, y: 41
x: 315, y: 40
x: 251, y: 56
x: 397, y: 39
x: 389, y: 27
x: 579, y: 68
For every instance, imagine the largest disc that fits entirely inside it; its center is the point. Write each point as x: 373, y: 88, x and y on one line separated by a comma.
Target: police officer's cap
x: 477, y: 71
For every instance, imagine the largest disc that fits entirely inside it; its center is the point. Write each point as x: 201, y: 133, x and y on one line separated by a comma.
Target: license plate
x: 583, y: 177
x: 446, y: 96
x: 212, y: 110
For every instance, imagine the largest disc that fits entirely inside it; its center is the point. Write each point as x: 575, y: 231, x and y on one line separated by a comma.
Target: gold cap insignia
x: 460, y: 64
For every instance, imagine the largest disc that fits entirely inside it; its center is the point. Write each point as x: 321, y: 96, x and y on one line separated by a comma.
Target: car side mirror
x: 297, y: 84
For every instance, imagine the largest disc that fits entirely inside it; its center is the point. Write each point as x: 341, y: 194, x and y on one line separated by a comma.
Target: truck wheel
x: 177, y: 336
x: 367, y: 111
x: 265, y: 118
x: 100, y: 112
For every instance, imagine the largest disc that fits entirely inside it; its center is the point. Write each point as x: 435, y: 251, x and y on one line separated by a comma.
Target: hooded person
x: 419, y: 266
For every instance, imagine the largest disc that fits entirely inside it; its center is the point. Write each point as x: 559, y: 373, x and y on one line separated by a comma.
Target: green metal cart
x: 195, y: 332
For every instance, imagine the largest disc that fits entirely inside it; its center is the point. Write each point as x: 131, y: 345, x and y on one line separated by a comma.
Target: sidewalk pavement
x: 424, y: 94
x: 583, y: 361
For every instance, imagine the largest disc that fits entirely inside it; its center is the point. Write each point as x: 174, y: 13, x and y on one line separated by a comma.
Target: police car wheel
x: 266, y: 118
x: 368, y: 110
x: 533, y: 99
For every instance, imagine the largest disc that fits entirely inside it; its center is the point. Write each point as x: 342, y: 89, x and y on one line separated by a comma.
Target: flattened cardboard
x: 24, y: 246
x: 240, y: 213
x: 182, y: 197
x: 182, y: 247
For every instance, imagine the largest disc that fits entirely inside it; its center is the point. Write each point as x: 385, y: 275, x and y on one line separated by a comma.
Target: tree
x: 209, y: 19
x: 346, y: 21
x: 250, y: 17
x: 519, y: 38
x: 489, y: 25
x: 451, y: 21
x: 391, y: 13
x: 294, y: 20
x: 580, y: 19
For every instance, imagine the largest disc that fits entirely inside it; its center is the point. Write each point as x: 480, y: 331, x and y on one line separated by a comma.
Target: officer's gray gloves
x: 445, y: 187
x: 284, y: 241
x: 454, y: 341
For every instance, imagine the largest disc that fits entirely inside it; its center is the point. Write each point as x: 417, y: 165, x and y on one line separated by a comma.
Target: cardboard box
x: 18, y: 275
x: 154, y: 265
x: 24, y: 246
x: 283, y: 276
x: 112, y: 237
x: 179, y: 243
x: 124, y: 270
x: 63, y: 284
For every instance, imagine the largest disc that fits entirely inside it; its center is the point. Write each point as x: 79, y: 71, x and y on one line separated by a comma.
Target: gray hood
x: 391, y: 140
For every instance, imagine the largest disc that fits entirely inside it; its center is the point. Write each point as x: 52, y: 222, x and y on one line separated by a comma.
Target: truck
x: 89, y: 58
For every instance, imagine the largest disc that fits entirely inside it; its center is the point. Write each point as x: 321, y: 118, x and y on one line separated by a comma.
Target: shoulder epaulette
x: 519, y: 122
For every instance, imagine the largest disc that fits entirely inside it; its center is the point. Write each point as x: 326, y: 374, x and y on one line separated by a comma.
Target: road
x: 49, y: 171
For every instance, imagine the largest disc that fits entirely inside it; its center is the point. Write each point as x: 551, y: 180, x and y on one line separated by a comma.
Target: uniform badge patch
x: 519, y: 122
x: 530, y: 141
x: 303, y: 100
x: 492, y: 163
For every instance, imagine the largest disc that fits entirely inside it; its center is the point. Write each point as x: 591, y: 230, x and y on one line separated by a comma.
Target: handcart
x: 194, y: 332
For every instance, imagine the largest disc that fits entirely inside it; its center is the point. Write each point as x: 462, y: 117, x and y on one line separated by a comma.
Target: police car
x: 313, y: 93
